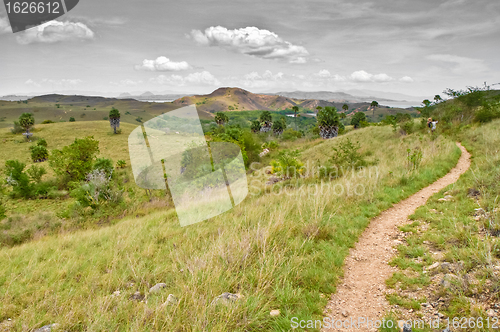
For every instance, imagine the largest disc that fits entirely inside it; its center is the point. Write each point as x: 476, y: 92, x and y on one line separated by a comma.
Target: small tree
x: 266, y: 120
x: 27, y: 120
x: 255, y: 126
x: 39, y: 153
x: 345, y: 107
x: 221, y: 118
x: 357, y: 119
x: 114, y: 119
x: 72, y: 119
x: 328, y: 122
x: 437, y: 98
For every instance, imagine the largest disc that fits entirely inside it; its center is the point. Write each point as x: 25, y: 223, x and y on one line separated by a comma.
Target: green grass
x: 461, y: 235
x: 280, y: 251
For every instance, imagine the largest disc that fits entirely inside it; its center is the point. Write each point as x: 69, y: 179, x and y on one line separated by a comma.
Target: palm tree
x: 221, y: 118
x: 279, y: 126
x: 114, y: 118
x: 328, y: 122
x: 373, y: 105
x: 295, y: 111
x: 266, y: 120
x: 27, y: 120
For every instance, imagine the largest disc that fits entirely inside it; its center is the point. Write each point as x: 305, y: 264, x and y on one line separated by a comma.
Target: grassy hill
x: 282, y: 248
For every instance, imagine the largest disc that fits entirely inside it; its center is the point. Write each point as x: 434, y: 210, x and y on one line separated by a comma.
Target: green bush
x: 414, y: 158
x: 42, y: 142
x: 121, y: 163
x: 72, y: 119
x: 2, y: 212
x: 407, y: 127
x: 17, y: 179
x: 487, y: 112
x: 47, y: 121
x: 287, y: 165
x: 104, y: 164
x: 75, y: 161
x: 291, y: 134
x: 39, y: 153
x: 36, y: 173
x: 17, y: 129
x: 357, y: 119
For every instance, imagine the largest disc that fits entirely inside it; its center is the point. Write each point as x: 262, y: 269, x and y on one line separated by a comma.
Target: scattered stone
x: 473, y: 193
x: 491, y: 313
x: 116, y: 293
x: 345, y: 313
x: 226, y: 298
x: 137, y: 296
x: 448, y: 280
x: 424, y: 304
x: 407, y: 328
x: 433, y: 266
x: 446, y: 198
x: 46, y: 328
x: 440, y: 315
x: 156, y: 288
x: 446, y: 330
x: 275, y: 313
x: 446, y: 267
x: 172, y: 300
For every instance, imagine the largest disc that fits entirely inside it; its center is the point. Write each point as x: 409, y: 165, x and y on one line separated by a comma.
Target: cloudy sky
x: 406, y: 46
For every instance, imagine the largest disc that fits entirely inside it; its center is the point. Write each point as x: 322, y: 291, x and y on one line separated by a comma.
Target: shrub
x: 20, y: 182
x: 39, y: 153
x: 407, y: 127
x: 75, y: 161
x: 96, y: 190
x: 121, y: 163
x: 17, y: 129
x: 47, y: 121
x: 42, y: 142
x: 255, y: 127
x: 357, y: 119
x: 36, y: 173
x: 72, y: 119
x: 287, y: 165
x: 487, y: 113
x: 105, y: 165
x: 291, y: 134
x: 138, y: 119
x: 414, y: 158
x: 328, y: 122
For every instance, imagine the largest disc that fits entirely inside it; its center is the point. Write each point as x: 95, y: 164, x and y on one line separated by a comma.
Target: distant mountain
x: 381, y: 95
x: 322, y: 95
x: 125, y: 95
x: 237, y: 99
x: 147, y: 94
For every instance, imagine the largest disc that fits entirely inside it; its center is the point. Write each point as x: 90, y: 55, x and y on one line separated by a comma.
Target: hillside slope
x: 282, y: 248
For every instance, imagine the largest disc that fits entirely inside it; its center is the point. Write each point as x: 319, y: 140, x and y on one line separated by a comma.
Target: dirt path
x: 361, y: 293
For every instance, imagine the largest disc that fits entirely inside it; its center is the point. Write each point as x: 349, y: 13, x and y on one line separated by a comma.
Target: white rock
x: 275, y: 313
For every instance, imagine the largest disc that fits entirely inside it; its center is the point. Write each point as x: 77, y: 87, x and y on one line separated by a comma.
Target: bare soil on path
x: 361, y: 293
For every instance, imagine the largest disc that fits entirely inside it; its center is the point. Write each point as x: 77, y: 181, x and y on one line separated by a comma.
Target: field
x: 282, y: 248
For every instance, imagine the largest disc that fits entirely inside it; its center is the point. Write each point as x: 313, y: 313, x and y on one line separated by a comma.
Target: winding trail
x: 361, y: 293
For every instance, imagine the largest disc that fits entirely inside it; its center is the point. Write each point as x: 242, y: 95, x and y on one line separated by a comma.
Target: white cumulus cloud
x: 203, y: 78
x: 363, y: 76
x: 55, y: 31
x: 162, y: 64
x: 251, y: 41
x: 4, y: 25
x: 406, y: 79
